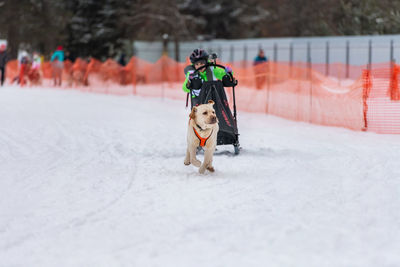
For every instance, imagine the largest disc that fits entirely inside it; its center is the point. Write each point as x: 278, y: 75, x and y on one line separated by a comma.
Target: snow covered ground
x: 99, y: 180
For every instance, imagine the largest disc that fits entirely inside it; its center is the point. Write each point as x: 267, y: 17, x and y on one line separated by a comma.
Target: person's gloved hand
x: 190, y: 78
x: 192, y: 75
x: 188, y: 85
x: 228, y: 69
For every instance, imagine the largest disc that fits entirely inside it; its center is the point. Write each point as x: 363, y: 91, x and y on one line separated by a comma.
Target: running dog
x: 202, y: 131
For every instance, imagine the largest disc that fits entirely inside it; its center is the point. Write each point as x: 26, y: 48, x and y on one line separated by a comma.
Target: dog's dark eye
x: 213, y: 112
x: 205, y: 113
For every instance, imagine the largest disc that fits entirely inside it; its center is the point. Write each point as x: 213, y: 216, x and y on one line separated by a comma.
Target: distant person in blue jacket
x: 57, y: 60
x: 260, y: 68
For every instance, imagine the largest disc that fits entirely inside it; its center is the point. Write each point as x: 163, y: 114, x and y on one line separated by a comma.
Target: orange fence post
x: 367, y: 84
x: 394, y: 92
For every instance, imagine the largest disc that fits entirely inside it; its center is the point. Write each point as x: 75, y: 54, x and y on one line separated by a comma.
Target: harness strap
x: 203, y: 141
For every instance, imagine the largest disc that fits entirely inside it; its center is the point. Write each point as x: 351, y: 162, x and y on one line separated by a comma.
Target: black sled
x: 214, y: 90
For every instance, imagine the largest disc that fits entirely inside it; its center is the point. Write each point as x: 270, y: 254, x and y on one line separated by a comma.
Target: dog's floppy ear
x: 193, y: 113
x: 211, y: 102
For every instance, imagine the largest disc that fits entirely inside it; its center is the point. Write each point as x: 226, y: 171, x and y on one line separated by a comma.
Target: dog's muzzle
x: 213, y: 120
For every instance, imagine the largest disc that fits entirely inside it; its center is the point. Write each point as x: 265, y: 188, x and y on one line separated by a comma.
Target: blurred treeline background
x: 102, y: 28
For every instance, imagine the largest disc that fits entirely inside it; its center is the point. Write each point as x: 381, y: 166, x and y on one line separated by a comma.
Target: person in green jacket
x: 199, y: 58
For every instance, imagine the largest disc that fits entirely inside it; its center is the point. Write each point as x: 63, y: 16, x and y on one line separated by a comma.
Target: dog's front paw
x: 202, y: 170
x: 211, y: 168
x: 186, y: 162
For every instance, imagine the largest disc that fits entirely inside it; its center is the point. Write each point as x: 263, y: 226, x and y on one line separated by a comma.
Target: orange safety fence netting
x: 299, y: 93
x: 382, y: 100
x: 335, y: 95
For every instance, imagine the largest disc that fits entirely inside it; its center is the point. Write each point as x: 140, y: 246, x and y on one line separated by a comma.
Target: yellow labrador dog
x: 202, y: 131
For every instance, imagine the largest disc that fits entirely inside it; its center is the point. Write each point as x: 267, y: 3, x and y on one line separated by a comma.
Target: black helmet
x: 198, y: 54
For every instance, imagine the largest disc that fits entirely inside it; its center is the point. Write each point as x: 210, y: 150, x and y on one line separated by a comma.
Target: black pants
x: 3, y: 74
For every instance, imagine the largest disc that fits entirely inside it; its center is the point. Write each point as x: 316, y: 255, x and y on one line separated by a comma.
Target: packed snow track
x: 99, y: 180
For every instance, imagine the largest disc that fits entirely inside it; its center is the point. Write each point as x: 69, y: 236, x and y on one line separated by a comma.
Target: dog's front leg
x: 210, y: 166
x: 208, y: 154
x: 193, y: 159
x: 187, y: 158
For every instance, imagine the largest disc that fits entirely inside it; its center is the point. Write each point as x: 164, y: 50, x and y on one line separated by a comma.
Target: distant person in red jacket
x: 24, y: 67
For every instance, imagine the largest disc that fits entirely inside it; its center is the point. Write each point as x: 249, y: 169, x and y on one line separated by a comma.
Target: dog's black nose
x: 214, y: 119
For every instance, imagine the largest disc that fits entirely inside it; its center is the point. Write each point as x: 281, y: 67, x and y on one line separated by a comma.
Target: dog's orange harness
x: 202, y: 140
